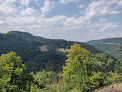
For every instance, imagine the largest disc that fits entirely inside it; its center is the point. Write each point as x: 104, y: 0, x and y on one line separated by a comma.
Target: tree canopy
x: 84, y: 71
x: 118, y: 64
x: 12, y: 77
x: 74, y: 71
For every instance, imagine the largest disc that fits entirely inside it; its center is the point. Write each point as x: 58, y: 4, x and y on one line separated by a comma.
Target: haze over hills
x: 108, y: 45
x: 38, y: 53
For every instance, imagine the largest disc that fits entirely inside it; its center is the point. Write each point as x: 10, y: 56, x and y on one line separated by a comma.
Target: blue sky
x: 76, y: 20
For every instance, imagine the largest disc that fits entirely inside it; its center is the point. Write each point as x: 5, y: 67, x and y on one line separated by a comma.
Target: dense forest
x: 82, y: 72
x: 33, y: 53
x: 109, y: 46
x: 34, y: 64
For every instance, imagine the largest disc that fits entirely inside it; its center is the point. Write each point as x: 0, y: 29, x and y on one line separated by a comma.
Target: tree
x: 98, y: 67
x: 43, y: 80
x: 118, y: 65
x: 84, y: 71
x: 75, y: 72
x: 12, y: 77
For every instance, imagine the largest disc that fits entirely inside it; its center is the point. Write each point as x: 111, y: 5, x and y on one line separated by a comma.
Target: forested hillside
x: 48, y: 65
x: 109, y: 46
x: 82, y: 72
x: 29, y: 48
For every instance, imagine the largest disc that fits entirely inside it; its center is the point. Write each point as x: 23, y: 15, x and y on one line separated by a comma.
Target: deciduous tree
x: 75, y: 72
x: 12, y: 77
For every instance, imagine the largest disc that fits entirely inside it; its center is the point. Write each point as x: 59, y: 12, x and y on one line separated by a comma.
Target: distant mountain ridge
x: 37, y: 52
x: 108, y: 45
x: 112, y: 40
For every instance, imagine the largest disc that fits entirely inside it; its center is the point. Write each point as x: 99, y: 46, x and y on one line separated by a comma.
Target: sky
x: 73, y: 20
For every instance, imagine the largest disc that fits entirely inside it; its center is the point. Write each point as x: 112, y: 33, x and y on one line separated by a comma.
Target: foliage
x: 12, y: 77
x: 98, y: 68
x: 28, y: 46
x: 99, y: 62
x: 109, y: 46
x: 50, y: 61
x: 84, y: 71
x: 118, y: 65
x: 113, y: 77
x: 97, y: 79
x: 74, y: 72
x: 43, y: 80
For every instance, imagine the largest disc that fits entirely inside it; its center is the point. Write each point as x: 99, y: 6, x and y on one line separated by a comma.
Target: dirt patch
x: 63, y: 50
x: 111, y: 88
x: 44, y: 48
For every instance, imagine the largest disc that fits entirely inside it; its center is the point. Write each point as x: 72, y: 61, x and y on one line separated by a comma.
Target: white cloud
x: 108, y: 26
x: 56, y: 19
x: 101, y: 7
x: 102, y: 25
x: 1, y: 1
x: 95, y: 9
x: 10, y: 1
x: 8, y: 8
x: 92, y: 31
x: 109, y: 2
x: 105, y: 25
x: 25, y: 2
x: 72, y: 21
x: 30, y: 18
x: 1, y: 22
x: 115, y: 12
x: 47, y: 7
x: 33, y: 23
x: 27, y: 11
x: 120, y: 2
x: 67, y: 1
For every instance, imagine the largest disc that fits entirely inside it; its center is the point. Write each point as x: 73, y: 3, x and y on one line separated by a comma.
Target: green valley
x: 109, y: 46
